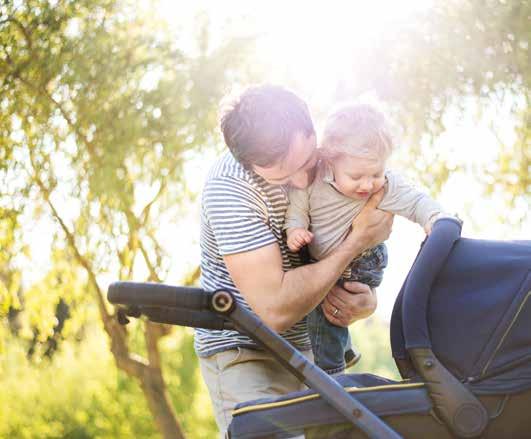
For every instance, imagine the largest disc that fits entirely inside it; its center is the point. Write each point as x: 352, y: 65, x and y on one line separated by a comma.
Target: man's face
x: 297, y: 169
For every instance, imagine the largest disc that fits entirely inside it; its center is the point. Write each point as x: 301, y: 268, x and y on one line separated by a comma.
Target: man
x: 272, y: 144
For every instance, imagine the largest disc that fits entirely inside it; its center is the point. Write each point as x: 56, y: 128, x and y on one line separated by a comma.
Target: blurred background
x: 108, y: 125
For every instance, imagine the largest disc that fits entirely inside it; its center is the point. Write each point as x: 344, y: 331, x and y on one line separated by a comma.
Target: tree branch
x: 22, y: 29
x: 131, y: 364
x: 145, y: 211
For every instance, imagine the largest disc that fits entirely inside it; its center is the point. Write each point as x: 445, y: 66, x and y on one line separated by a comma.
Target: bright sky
x: 312, y: 44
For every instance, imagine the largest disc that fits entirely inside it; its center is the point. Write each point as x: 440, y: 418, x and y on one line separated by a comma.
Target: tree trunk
x: 148, y: 374
x: 154, y: 389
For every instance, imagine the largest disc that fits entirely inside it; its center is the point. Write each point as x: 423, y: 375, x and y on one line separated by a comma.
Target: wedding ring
x: 336, y: 312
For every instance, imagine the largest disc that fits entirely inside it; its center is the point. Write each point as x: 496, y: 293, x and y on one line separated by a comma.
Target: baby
x: 354, y: 150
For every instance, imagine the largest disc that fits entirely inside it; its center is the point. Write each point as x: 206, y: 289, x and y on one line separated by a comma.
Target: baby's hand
x: 298, y: 238
x: 429, y: 225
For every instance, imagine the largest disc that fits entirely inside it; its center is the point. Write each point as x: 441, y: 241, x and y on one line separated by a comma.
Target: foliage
x: 456, y: 60
x: 371, y: 338
x: 100, y: 109
x: 80, y: 394
x: 9, y: 276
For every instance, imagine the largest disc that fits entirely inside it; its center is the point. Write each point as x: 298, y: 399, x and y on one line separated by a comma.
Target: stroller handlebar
x: 160, y: 303
x: 158, y: 295
x: 460, y: 410
x: 431, y: 258
x: 184, y: 317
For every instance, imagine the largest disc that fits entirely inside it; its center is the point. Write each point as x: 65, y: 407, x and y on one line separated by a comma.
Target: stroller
x: 460, y: 336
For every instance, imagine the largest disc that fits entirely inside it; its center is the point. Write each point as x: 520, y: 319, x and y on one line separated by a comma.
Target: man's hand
x: 355, y: 301
x: 372, y: 225
x: 298, y: 238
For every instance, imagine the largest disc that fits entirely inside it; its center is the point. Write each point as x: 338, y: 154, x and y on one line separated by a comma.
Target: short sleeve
x: 237, y: 215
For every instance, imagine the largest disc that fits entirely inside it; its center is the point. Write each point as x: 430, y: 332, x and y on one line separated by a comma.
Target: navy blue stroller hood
x: 478, y: 316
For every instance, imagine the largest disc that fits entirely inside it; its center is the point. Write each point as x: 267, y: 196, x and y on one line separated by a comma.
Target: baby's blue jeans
x: 330, y: 342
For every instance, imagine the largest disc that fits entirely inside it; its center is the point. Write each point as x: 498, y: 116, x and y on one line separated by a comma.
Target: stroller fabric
x: 479, y: 315
x: 479, y: 319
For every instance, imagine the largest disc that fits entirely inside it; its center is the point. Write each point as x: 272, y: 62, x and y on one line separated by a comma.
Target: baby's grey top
x: 328, y: 214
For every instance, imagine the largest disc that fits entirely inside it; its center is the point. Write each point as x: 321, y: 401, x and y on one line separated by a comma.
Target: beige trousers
x: 239, y: 375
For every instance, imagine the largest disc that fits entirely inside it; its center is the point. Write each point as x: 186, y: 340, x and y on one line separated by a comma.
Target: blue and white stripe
x: 240, y: 212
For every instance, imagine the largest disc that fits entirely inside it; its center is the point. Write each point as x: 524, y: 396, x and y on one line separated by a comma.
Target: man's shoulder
x: 229, y: 184
x: 228, y: 167
x: 228, y: 174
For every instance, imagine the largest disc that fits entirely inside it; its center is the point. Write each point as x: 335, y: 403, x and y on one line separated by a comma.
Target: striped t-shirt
x: 240, y: 212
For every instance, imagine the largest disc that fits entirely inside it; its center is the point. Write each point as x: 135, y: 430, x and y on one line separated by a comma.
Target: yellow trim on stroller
x: 524, y: 302
x: 316, y: 395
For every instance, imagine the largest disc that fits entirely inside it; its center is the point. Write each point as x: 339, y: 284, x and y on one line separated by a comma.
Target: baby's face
x: 358, y: 178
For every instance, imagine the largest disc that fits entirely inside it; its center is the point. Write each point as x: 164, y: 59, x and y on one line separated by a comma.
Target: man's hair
x: 358, y: 130
x: 259, y: 125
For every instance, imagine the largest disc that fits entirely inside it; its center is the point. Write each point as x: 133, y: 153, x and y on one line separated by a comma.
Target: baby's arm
x: 297, y: 220
x: 298, y: 238
x: 405, y: 200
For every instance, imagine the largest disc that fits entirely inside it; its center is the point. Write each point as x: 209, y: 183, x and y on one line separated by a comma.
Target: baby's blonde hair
x: 357, y: 130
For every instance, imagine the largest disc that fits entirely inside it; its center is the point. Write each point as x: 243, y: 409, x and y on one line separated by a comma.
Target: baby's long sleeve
x: 403, y: 199
x: 298, y: 213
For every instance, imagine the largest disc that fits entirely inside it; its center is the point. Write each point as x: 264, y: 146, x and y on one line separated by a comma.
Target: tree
x: 457, y: 56
x: 10, y: 276
x: 99, y: 109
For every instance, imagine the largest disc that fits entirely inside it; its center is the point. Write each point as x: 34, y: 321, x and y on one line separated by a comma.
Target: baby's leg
x: 331, y: 345
x: 369, y: 267
x: 329, y: 342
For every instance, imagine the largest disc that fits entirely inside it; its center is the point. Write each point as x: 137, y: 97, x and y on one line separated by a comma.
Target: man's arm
x: 281, y: 298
